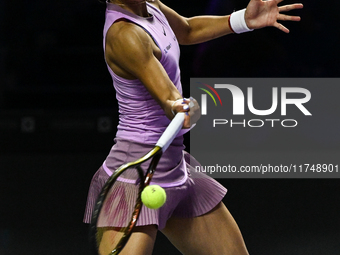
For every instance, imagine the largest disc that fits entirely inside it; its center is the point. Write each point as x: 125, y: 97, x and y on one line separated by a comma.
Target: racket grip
x: 171, y: 131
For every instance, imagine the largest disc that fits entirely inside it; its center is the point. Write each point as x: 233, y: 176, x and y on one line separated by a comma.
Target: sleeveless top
x: 141, y: 119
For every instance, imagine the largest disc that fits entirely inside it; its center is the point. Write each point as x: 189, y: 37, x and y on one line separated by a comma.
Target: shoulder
x: 155, y: 3
x: 126, y: 43
x: 124, y: 31
x: 125, y: 35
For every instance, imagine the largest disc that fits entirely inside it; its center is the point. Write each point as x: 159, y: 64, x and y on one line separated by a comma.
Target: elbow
x: 185, y: 35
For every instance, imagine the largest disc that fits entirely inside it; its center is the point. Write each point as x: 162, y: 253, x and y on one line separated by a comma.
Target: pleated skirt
x: 198, y: 195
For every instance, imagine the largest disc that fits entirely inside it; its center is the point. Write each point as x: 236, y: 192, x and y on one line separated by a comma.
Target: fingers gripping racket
x: 119, y: 202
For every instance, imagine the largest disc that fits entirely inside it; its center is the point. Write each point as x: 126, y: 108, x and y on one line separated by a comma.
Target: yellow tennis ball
x: 153, y: 196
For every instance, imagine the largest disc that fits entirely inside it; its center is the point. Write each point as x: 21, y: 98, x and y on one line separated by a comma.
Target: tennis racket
x: 119, y: 202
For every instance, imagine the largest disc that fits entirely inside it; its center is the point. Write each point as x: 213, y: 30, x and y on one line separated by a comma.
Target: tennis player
x: 141, y: 44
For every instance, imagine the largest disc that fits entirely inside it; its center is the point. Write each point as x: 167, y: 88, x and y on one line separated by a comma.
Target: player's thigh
x: 141, y: 242
x: 213, y: 233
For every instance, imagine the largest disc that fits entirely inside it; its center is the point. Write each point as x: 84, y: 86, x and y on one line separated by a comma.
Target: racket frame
x: 156, y: 153
x: 144, y: 180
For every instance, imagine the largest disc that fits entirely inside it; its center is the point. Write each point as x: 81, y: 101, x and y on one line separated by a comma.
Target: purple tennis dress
x: 141, y: 123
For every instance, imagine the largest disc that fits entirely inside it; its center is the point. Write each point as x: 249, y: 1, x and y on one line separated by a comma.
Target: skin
x: 130, y: 53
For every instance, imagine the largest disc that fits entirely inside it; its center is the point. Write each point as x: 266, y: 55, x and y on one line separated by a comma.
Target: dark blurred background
x: 58, y: 116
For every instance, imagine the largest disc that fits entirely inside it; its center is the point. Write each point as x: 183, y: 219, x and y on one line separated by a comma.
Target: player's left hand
x: 261, y: 14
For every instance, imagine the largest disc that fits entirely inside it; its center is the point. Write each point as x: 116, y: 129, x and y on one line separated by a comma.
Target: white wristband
x: 238, y: 22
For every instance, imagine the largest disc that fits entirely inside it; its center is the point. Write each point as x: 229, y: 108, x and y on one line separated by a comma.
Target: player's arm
x: 199, y: 29
x: 130, y: 50
x: 196, y: 29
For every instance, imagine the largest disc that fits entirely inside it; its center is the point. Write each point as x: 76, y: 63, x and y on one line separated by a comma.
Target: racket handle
x: 171, y: 131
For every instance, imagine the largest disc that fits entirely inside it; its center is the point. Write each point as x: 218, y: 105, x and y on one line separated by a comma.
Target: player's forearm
x: 205, y: 28
x: 168, y: 105
x: 163, y: 91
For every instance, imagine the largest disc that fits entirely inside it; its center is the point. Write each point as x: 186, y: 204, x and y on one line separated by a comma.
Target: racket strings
x: 131, y: 175
x: 118, y: 204
x: 118, y: 207
x: 112, y: 235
